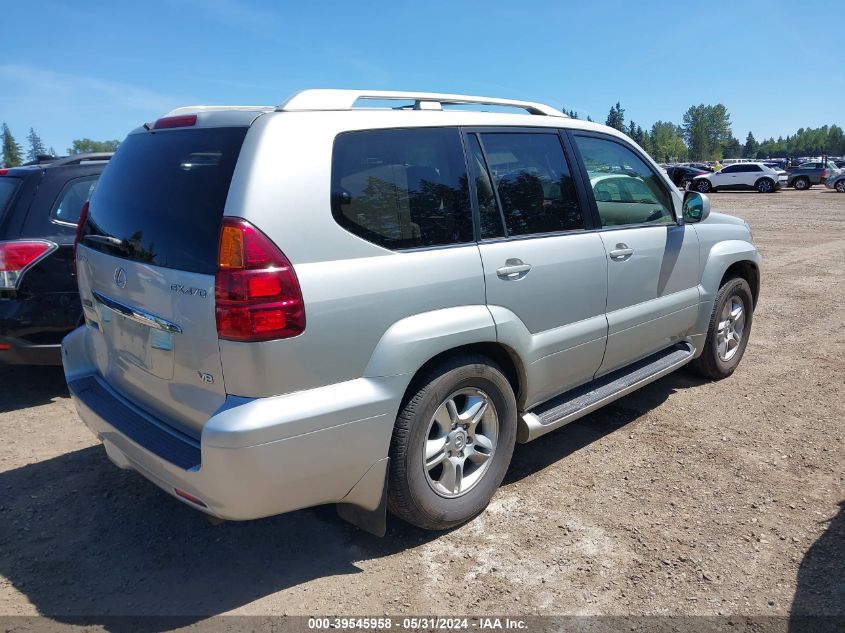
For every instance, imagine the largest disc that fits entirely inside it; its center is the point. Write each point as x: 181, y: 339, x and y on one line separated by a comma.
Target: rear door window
x: 161, y: 199
x: 402, y: 188
x: 76, y: 193
x: 533, y: 183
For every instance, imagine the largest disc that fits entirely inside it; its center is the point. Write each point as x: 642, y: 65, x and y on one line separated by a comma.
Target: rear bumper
x: 256, y: 457
x: 15, y: 351
x: 32, y: 325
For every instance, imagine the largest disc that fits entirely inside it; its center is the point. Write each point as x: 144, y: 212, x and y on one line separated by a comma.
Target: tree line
x: 705, y: 133
x: 14, y: 154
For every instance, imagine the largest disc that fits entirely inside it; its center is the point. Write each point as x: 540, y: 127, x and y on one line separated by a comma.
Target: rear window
x: 161, y: 198
x: 8, y: 187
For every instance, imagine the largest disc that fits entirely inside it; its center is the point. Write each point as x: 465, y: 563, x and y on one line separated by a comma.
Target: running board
x: 577, y: 403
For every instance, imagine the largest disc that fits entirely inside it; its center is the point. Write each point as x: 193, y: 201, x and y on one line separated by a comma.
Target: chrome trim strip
x: 136, y: 314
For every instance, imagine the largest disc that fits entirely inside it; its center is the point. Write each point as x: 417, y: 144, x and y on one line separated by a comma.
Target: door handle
x: 621, y: 252
x: 513, y: 269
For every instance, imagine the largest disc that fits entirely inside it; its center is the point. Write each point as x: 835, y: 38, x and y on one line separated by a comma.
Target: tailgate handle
x: 136, y: 314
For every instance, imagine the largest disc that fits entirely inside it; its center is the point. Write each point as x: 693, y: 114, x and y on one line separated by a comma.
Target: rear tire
x: 728, y: 332
x: 801, y: 183
x: 704, y: 186
x: 447, y: 460
x: 765, y: 185
x: 840, y: 186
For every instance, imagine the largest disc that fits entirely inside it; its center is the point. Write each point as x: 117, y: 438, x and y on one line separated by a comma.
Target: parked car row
x: 762, y: 176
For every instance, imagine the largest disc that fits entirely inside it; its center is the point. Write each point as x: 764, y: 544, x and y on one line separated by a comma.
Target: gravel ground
x: 688, y: 497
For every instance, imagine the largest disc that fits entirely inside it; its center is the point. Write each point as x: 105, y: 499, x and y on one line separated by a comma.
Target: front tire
x: 704, y: 186
x: 801, y: 183
x: 452, y: 443
x: 728, y: 332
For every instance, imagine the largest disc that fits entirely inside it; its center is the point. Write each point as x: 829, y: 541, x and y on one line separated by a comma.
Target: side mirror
x: 696, y: 207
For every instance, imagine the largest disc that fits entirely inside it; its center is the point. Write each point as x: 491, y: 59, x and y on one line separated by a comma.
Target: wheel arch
x: 727, y: 258
x: 506, y: 358
x: 747, y: 270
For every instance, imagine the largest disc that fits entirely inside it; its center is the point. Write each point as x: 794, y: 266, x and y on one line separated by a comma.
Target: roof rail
x: 76, y: 159
x: 321, y: 99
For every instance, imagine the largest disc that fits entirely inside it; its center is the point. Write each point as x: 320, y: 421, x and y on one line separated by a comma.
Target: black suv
x: 39, y: 208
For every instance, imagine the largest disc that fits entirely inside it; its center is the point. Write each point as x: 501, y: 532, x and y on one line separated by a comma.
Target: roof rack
x: 76, y: 159
x: 321, y: 99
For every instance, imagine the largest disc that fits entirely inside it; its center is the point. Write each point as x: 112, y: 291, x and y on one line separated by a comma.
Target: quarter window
x: 626, y: 190
x: 531, y: 177
x: 402, y: 188
x: 76, y: 193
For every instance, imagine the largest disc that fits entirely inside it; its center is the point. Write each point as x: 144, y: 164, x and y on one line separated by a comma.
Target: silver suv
x: 327, y: 303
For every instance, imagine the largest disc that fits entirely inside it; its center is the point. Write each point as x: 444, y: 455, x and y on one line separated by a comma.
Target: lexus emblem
x: 120, y: 278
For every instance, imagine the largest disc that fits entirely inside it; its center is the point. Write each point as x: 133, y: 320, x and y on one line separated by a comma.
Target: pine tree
x: 751, y: 145
x: 616, y: 117
x: 572, y: 114
x: 36, y: 147
x: 11, y: 150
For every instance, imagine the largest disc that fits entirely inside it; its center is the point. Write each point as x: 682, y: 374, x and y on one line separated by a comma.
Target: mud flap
x: 373, y: 520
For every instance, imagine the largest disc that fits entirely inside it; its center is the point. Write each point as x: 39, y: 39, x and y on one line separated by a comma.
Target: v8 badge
x: 206, y: 377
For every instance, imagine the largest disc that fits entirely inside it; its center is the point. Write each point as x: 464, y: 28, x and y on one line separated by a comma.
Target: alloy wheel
x: 731, y: 328
x: 460, y: 443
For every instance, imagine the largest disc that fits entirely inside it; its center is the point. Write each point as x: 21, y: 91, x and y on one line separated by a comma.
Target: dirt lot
x: 688, y: 497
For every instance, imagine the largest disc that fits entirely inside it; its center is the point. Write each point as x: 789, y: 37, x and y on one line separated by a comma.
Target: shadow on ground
x: 820, y: 590
x: 24, y: 386
x: 80, y: 537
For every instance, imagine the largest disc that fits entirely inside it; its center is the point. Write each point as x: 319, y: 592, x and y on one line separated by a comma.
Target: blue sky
x: 98, y: 69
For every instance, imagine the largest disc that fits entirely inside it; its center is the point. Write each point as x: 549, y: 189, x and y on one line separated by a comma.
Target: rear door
x: 147, y: 264
x: 652, y: 274
x: 540, y: 261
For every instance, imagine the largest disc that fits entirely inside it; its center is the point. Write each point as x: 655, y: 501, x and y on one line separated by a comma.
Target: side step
x: 577, y: 403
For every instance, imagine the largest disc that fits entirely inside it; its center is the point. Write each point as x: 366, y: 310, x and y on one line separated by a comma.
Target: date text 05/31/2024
x: 418, y: 623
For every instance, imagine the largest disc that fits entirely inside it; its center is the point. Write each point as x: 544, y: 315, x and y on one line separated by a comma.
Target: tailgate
x: 146, y: 264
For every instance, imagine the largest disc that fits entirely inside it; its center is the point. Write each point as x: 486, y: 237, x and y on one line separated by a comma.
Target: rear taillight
x: 825, y: 173
x: 258, y: 297
x: 19, y: 255
x: 3, y: 172
x: 80, y: 226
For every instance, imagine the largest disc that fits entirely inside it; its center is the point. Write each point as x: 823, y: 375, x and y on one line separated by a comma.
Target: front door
x: 652, y: 296
x: 545, y: 274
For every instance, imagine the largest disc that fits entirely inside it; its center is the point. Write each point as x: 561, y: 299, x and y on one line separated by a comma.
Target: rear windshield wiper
x: 104, y: 239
